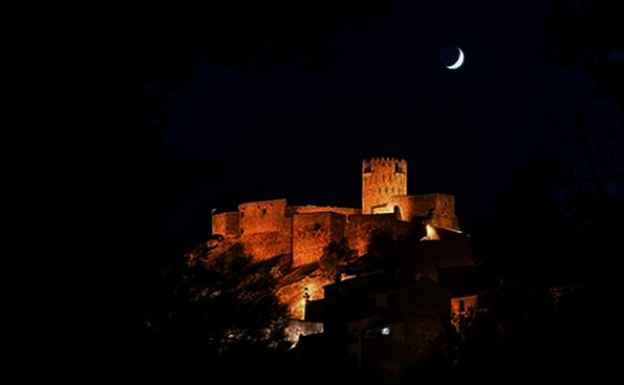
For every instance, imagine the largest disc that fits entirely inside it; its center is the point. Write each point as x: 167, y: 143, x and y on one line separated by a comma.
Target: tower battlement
x: 383, y: 163
x: 382, y: 179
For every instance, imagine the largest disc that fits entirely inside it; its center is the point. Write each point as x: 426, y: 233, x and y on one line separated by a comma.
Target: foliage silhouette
x: 588, y: 34
x: 557, y: 226
x: 335, y: 256
x: 561, y: 216
x: 382, y: 253
x: 213, y: 312
x: 517, y: 339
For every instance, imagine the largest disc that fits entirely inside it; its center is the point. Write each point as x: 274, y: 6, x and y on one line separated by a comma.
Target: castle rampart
x: 441, y: 206
x: 267, y: 244
x: 292, y: 210
x: 225, y: 224
x: 270, y: 228
x: 263, y: 216
x: 313, y: 232
x: 360, y: 227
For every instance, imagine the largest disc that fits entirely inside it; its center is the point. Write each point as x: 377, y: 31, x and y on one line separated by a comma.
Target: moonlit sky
x: 281, y: 133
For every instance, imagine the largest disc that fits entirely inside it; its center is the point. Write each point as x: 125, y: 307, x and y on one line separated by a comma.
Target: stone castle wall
x: 443, y: 207
x: 271, y: 228
x: 225, y: 224
x: 264, y: 245
x: 313, y: 232
x: 292, y: 210
x: 360, y: 228
x: 264, y: 216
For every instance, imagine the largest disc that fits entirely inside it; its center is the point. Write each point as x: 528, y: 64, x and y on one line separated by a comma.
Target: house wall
x: 423, y: 304
x: 267, y: 244
x: 461, y: 305
x: 425, y: 257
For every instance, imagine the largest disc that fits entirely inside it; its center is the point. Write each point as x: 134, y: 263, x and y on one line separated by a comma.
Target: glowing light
x: 431, y: 234
x: 459, y: 62
x: 385, y: 331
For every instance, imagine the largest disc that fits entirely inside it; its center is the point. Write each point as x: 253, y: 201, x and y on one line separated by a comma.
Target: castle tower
x: 382, y: 178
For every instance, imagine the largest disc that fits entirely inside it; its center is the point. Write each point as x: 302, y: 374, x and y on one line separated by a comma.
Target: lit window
x: 385, y: 331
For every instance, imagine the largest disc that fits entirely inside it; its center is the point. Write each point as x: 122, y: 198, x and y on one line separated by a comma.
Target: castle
x: 370, y: 318
x: 272, y: 228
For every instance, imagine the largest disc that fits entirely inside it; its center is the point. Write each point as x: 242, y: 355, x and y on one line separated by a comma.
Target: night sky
x: 283, y: 133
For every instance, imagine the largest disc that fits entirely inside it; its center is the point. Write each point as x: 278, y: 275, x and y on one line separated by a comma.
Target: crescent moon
x: 459, y: 62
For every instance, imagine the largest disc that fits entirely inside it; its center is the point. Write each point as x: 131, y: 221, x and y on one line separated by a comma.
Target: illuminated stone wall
x: 270, y: 228
x: 293, y: 294
x: 267, y: 244
x: 313, y: 232
x: 419, y: 205
x: 263, y: 216
x: 225, y: 224
x: 382, y: 178
x: 360, y: 227
x: 322, y: 209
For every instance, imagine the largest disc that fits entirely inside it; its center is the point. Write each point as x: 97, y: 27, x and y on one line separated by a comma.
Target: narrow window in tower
x: 242, y: 214
x: 263, y: 211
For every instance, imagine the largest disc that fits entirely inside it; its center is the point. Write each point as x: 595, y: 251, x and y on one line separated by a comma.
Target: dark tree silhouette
x: 335, y: 256
x: 566, y: 207
x: 212, y: 312
x: 557, y: 225
x: 587, y: 137
x: 588, y: 34
x: 226, y: 304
